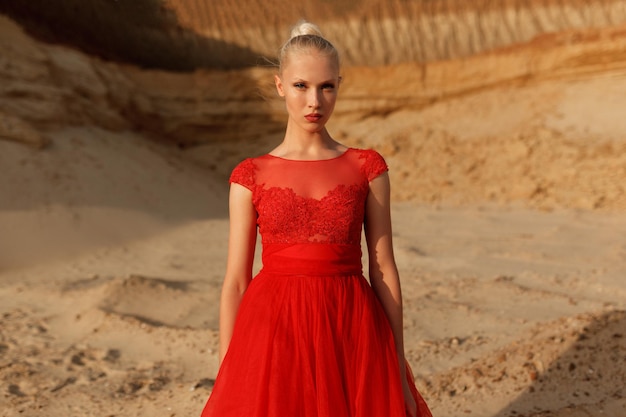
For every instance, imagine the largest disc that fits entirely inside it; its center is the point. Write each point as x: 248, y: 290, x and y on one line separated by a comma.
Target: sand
x: 507, y: 311
x: 508, y: 216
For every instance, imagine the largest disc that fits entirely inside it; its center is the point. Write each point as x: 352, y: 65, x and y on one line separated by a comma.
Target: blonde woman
x: 309, y: 336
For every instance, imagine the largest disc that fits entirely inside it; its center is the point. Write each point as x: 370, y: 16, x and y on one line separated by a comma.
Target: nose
x: 314, y: 98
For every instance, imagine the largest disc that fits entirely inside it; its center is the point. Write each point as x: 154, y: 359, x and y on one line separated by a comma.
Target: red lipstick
x: 313, y: 117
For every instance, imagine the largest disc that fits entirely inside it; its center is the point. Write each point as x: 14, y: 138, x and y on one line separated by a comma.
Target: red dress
x: 311, y: 338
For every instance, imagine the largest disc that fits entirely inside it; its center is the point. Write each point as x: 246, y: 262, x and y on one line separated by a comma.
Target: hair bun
x: 306, y: 36
x: 305, y: 28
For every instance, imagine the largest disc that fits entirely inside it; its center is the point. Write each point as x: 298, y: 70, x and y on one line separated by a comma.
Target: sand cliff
x: 543, y: 115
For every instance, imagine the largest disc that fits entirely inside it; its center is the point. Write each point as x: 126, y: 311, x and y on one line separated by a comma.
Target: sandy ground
x: 507, y: 311
x: 508, y: 221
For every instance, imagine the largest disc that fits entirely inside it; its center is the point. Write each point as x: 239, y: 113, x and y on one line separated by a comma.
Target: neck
x: 300, y: 141
x: 303, y: 145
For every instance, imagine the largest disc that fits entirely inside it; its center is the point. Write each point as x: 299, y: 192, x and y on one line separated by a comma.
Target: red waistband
x: 312, y: 259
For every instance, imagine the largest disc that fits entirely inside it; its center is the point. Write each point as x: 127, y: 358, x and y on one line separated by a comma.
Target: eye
x: 299, y: 86
x: 328, y: 86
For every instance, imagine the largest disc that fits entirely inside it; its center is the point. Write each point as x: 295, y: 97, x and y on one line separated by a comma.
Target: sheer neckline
x: 309, y: 160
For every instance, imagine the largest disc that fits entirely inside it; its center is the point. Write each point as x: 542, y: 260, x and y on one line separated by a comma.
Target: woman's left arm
x: 383, y: 271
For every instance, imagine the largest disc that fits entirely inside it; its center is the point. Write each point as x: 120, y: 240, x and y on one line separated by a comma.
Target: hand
x: 409, y: 401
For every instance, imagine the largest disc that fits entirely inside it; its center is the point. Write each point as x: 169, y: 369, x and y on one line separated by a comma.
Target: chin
x: 317, y: 129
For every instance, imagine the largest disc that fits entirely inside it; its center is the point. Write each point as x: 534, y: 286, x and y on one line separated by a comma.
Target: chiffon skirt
x: 310, y: 346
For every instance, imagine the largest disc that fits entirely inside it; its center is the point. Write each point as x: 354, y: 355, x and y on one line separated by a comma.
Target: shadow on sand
x: 142, y: 32
x: 95, y: 185
x: 587, y: 380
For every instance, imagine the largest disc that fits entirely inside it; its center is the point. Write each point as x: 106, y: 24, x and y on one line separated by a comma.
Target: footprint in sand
x: 160, y: 302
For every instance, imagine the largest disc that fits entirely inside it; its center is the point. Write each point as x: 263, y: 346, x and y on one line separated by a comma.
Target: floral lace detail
x: 244, y: 174
x: 374, y: 164
x: 287, y: 215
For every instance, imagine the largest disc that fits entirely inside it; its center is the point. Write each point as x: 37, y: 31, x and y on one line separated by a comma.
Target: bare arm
x: 383, y: 271
x: 241, y: 244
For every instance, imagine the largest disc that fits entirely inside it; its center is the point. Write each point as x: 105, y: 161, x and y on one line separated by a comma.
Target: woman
x: 308, y: 336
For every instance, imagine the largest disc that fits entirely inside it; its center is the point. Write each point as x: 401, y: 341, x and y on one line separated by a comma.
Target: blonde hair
x: 305, y: 36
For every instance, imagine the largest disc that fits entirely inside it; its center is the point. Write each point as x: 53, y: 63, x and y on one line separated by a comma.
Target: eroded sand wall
x: 382, y: 32
x: 537, y: 122
x: 189, y: 34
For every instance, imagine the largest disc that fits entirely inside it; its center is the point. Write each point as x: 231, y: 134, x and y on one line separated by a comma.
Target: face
x: 309, y: 83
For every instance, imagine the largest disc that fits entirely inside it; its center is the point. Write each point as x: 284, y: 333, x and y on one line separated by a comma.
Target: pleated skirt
x: 310, y: 346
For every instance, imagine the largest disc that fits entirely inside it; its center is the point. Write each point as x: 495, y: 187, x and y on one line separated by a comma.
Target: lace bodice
x: 320, y: 201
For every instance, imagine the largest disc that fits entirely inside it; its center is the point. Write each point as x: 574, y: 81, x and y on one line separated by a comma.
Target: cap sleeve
x: 374, y: 164
x: 244, y: 174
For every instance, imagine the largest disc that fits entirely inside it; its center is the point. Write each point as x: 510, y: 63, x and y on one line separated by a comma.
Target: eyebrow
x: 301, y: 80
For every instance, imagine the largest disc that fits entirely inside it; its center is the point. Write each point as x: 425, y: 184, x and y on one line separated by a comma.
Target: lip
x: 313, y: 117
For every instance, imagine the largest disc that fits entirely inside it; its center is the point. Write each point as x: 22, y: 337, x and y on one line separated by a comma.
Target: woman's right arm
x: 241, y: 244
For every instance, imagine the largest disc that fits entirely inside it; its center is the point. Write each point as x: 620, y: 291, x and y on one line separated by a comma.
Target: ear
x: 279, y: 86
